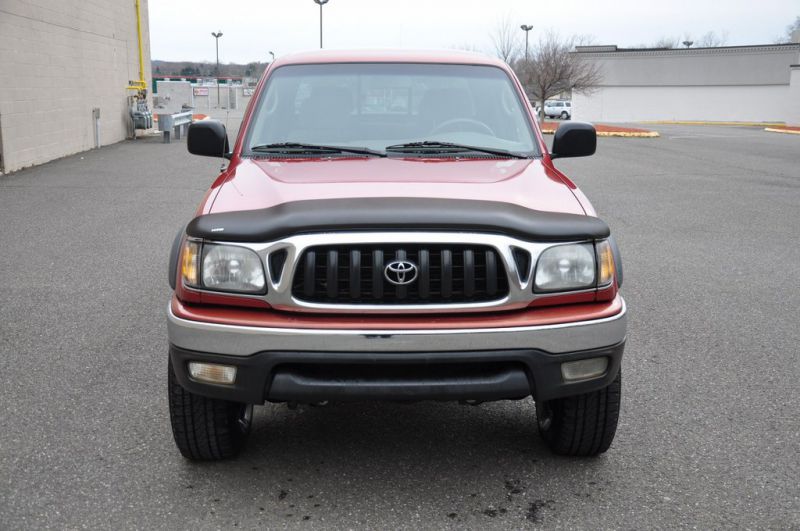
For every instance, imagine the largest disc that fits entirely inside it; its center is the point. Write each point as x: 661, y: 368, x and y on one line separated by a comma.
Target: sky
x: 181, y: 29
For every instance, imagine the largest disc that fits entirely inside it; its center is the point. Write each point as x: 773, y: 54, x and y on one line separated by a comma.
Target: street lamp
x: 526, y: 28
x: 321, y: 3
x: 217, y: 35
x: 272, y: 54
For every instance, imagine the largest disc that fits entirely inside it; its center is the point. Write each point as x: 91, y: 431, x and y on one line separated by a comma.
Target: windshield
x: 376, y: 106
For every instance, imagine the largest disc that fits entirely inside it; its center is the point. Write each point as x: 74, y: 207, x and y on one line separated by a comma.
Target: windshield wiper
x: 292, y: 148
x: 435, y: 146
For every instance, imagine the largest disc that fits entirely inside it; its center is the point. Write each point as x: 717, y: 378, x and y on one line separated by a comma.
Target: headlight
x: 565, y: 268
x: 223, y: 268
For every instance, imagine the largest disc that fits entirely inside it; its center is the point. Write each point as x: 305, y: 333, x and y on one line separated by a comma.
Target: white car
x: 558, y: 109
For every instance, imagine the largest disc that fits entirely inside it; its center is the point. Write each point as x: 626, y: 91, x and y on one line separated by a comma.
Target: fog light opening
x: 586, y: 369
x: 212, y: 373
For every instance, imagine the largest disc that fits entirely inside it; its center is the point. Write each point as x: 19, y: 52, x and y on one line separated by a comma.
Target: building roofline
x: 613, y: 49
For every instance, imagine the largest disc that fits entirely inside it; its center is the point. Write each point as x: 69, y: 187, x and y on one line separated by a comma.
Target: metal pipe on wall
x: 96, y: 116
x: 139, y: 84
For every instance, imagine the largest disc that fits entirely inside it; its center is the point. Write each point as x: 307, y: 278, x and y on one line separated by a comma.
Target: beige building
x: 59, y: 61
x: 730, y: 83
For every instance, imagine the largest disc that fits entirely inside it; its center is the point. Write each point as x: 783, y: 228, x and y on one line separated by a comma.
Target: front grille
x: 354, y: 274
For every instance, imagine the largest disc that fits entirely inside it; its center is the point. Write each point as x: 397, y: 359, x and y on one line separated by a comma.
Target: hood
x: 256, y: 184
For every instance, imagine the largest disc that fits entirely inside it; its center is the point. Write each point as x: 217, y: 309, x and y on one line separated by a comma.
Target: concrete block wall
x: 59, y: 59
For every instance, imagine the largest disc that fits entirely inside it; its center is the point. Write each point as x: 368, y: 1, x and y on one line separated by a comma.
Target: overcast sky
x: 181, y: 29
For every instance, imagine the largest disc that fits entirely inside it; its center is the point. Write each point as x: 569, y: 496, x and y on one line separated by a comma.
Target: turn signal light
x: 605, y: 263
x: 189, y: 262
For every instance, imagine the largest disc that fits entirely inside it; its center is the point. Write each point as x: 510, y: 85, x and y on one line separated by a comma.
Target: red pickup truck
x: 390, y: 226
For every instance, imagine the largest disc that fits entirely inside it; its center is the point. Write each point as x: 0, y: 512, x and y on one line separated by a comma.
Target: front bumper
x: 312, y: 365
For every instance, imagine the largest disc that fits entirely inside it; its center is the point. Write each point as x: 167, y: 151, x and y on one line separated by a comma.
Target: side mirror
x: 208, y: 138
x: 573, y: 139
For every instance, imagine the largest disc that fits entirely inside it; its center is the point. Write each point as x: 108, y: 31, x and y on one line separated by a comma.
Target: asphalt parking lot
x: 707, y: 219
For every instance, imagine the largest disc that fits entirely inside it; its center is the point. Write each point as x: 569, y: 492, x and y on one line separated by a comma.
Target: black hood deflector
x: 409, y: 214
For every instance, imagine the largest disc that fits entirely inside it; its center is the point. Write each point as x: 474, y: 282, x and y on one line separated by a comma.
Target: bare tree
x: 790, y: 29
x: 712, y: 39
x: 552, y: 69
x: 708, y: 40
x: 584, y: 40
x: 506, y: 39
x: 666, y: 42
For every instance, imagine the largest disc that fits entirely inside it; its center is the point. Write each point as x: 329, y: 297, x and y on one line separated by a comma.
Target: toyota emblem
x: 400, y: 272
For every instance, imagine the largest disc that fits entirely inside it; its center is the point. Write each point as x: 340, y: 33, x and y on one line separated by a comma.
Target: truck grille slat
x: 355, y: 274
x: 308, y: 273
x: 447, y: 274
x: 424, y: 274
x: 469, y: 273
x: 442, y: 274
x: 333, y: 273
x: 377, y: 274
x: 491, y: 273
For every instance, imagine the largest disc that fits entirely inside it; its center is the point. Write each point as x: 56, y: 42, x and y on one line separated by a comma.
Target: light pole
x: 217, y: 35
x: 321, y: 3
x: 526, y: 28
x: 272, y: 54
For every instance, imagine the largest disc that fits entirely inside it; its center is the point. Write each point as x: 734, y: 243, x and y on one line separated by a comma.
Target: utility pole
x: 321, y: 3
x: 217, y: 35
x: 526, y: 28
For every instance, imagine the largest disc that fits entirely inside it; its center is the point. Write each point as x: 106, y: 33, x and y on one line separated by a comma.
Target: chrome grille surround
x: 279, y: 294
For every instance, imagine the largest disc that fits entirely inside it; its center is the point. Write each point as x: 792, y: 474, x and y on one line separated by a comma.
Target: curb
x: 785, y: 131
x: 628, y: 134
x: 700, y: 122
x: 625, y: 134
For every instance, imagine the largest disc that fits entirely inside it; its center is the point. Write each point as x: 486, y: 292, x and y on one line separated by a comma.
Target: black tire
x: 206, y: 429
x: 564, y: 115
x: 581, y: 425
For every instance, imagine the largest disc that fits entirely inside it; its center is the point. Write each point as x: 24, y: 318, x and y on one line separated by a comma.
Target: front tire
x: 206, y: 429
x: 564, y: 115
x: 581, y: 425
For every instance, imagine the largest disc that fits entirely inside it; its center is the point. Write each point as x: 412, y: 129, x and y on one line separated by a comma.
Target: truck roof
x: 389, y: 56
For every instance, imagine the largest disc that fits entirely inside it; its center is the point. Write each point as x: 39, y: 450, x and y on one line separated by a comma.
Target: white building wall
x: 751, y: 103
x: 793, y: 109
x: 744, y: 83
x: 59, y: 59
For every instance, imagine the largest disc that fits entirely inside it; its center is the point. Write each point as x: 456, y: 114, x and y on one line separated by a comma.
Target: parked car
x: 558, y: 109
x: 391, y: 226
